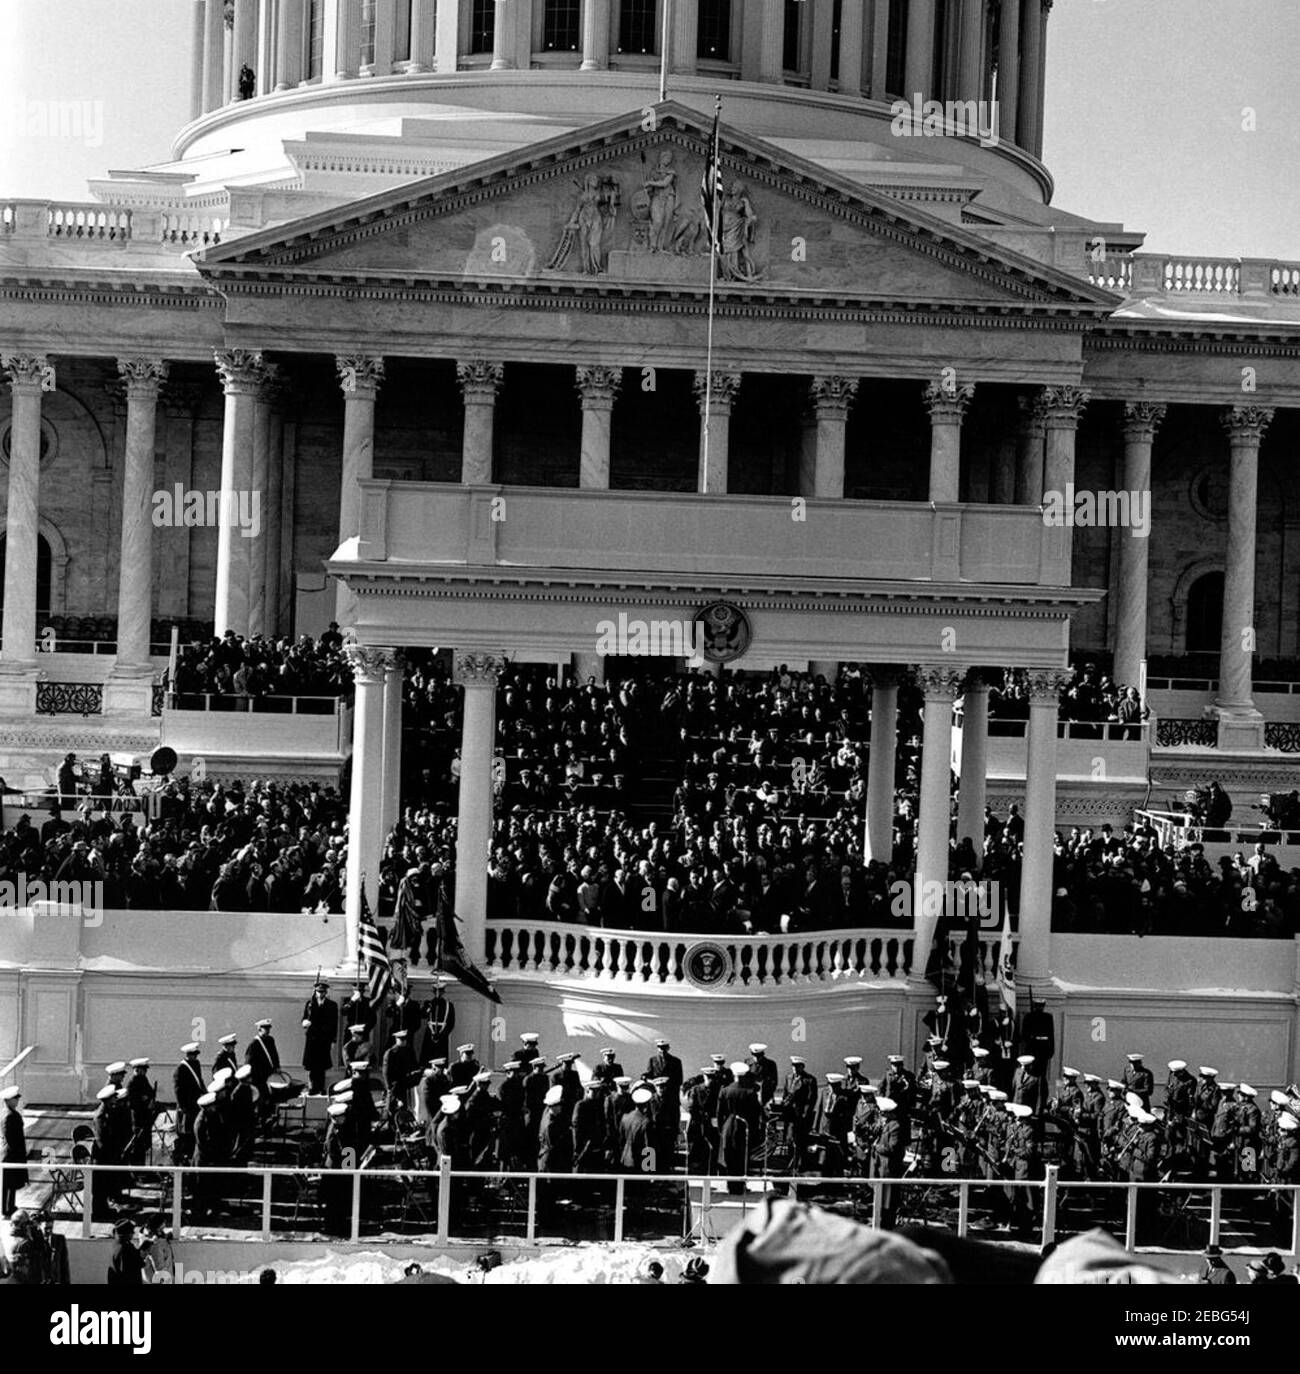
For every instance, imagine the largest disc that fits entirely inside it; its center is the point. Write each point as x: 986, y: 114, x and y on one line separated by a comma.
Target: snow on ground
x: 589, y: 1264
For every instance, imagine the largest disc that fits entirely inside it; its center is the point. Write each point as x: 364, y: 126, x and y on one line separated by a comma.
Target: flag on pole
x: 451, y: 952
x: 372, y: 959
x: 711, y: 181
x: 1006, y: 969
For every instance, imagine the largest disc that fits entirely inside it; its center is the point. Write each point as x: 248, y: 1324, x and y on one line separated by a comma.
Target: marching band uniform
x: 188, y: 1085
x: 320, y: 1021
x: 466, y: 1066
x: 739, y: 1125
x: 800, y: 1106
x: 1139, y: 1079
x: 400, y: 1073
x: 701, y: 1135
x: 141, y: 1103
x: 226, y: 1057
x: 589, y: 1131
x: 764, y: 1073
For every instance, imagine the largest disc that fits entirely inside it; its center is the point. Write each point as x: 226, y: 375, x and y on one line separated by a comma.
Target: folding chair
x: 67, y: 1188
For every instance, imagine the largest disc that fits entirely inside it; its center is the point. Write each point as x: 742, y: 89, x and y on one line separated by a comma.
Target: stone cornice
x: 1245, y: 340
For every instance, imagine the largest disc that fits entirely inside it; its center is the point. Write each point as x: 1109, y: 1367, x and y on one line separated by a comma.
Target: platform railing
x: 76, y: 1185
x: 268, y: 703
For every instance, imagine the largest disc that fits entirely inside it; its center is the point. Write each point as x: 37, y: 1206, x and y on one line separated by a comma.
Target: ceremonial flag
x: 1006, y: 969
x: 372, y: 959
x: 711, y: 182
x: 451, y: 953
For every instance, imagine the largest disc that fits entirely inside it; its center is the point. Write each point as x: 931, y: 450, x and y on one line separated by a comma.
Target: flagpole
x: 666, y: 6
x: 715, y: 200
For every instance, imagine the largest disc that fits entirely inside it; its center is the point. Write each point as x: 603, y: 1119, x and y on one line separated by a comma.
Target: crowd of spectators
x: 1090, y: 698
x: 235, y: 667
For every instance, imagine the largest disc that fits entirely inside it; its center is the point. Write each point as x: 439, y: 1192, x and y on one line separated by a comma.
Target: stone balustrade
x: 1163, y: 274
x: 552, y: 949
x: 100, y: 223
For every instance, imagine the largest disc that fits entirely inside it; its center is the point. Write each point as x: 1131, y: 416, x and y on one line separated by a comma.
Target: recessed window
x: 714, y: 34
x: 561, y: 26
x: 482, y: 25
x: 637, y: 31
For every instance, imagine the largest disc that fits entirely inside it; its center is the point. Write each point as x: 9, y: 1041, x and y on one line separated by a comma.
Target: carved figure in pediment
x: 661, y: 188
x: 738, y: 230
x: 589, y: 226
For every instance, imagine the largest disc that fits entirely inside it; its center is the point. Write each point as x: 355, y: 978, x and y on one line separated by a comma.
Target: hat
x: 997, y: 1095
x: 263, y: 1024
x: 1020, y: 1109
x: 345, y: 1098
x: 1069, y: 1073
x: 1025, y: 1059
x: 623, y: 1081
x: 1091, y: 1078
x: 1278, y: 1098
x: 1228, y: 1087
x: 554, y: 1096
x: 10, y: 1093
x: 1286, y: 1122
x: 1208, y: 1073
x: 1177, y: 1065
x: 661, y: 1082
x: 359, y: 1065
x: 342, y: 1086
x: 123, y: 1227
x: 107, y: 1092
x: 207, y: 1099
x: 400, y: 1034
x: 484, y: 1076
x: 1141, y: 1115
x: 528, y: 1037
x: 758, y: 1049
x: 853, y: 1060
x: 799, y: 1059
x: 337, y: 1109
x: 566, y: 1058
x: 969, y: 1083
x: 1247, y: 1091
x: 980, y: 1052
x: 465, y: 1049
x: 460, y: 1090
x: 115, y: 1068
x: 1114, y: 1084
x: 1134, y: 1058
x: 895, y: 1058
x: 886, y: 1104
x: 191, y: 1048
x: 868, y: 1088
x: 512, y: 1067
x: 244, y: 1071
x: 139, y: 1063
x: 661, y: 1044
x: 940, y: 1064
x: 740, y: 1068
x: 440, y: 1063
x: 835, y: 1078
x: 642, y: 1096
x: 717, y: 1058
x: 228, y: 1039
x: 607, y: 1050
x: 705, y: 1069
x: 449, y: 1104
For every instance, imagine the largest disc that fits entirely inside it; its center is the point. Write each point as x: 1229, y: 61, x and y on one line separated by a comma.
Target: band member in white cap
x: 832, y: 1123
x: 227, y: 1054
x: 263, y: 1058
x: 800, y: 1105
x: 466, y: 1066
x: 589, y: 1143
x: 636, y: 1141
x: 400, y: 1074
x: 887, y: 1156
x: 740, y: 1117
x: 555, y: 1142
x: 529, y: 1049
x: 899, y: 1085
x: 188, y: 1085
x: 764, y: 1071
x: 1247, y: 1134
x: 1027, y: 1086
x: 13, y: 1149
x: 701, y: 1112
x: 212, y: 1149
x: 1204, y: 1111
x: 111, y: 1125
x: 608, y: 1069
x: 1023, y: 1155
x: 665, y: 1065
x: 1139, y: 1079
x: 1180, y: 1106
x: 340, y: 1153
x: 141, y: 1102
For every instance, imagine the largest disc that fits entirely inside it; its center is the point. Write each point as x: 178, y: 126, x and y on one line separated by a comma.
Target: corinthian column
x: 1033, y: 956
x: 479, y: 383
x: 1029, y: 450
x: 30, y: 376
x: 934, y: 818
x: 715, y: 399
x: 360, y: 377
x: 1063, y: 406
x: 370, y: 667
x: 1141, y: 420
x: 261, y: 507
x: 143, y: 378
x: 598, y: 387
x: 882, y: 761
x: 1240, y: 724
x: 972, y: 789
x: 242, y: 373
x: 832, y: 399
x: 478, y: 674
x: 947, y: 406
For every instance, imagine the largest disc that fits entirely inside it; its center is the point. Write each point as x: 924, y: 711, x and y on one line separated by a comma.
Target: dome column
x: 851, y: 47
x: 290, y: 36
x: 1141, y: 421
x: 214, y: 55
x: 1034, y: 952
x: 685, y: 36
x: 882, y: 761
x: 762, y: 41
x: 423, y: 35
x: 920, y: 49
x: 934, y: 820
x: 360, y: 377
x: 1029, y: 450
x: 1008, y: 88
x: 595, y: 35
x: 972, y: 785
x: 970, y: 69
x: 478, y: 674
x: 242, y: 373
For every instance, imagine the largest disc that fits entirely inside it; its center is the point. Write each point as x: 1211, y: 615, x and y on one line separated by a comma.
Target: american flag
x: 711, y: 181
x: 1006, y: 969
x: 372, y: 959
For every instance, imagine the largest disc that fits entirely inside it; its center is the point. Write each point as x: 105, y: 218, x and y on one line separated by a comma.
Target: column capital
x: 722, y: 391
x: 886, y: 675
x: 477, y: 669
x: 832, y: 396
x: 947, y: 404
x: 228, y: 14
x: 29, y: 372
x: 241, y: 370
x: 143, y: 377
x: 598, y: 386
x: 1033, y: 414
x: 1064, y: 406
x: 1046, y: 685
x: 938, y: 682
x: 480, y: 380
x: 360, y: 374
x: 1141, y: 420
x: 1246, y: 424
x: 369, y: 662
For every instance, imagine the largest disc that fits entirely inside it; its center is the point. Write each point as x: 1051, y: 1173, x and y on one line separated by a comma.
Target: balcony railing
x: 1155, y: 274
x: 288, y: 1201
x: 269, y: 704
x: 100, y: 223
x: 556, y: 949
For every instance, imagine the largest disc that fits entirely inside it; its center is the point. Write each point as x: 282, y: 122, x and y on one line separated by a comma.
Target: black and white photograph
x: 650, y: 643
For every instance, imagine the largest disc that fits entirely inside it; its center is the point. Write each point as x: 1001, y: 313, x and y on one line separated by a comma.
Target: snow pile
x: 588, y: 1264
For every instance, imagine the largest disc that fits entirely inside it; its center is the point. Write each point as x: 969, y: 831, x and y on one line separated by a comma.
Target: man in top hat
x: 764, y: 1073
x: 608, y: 1069
x: 466, y: 1066
x: 400, y: 1074
x: 188, y: 1085
x: 13, y: 1149
x: 263, y: 1058
x: 1139, y: 1079
x: 1216, y: 1268
x: 320, y: 1022
x: 227, y: 1057
x: 740, y: 1129
x: 141, y: 1103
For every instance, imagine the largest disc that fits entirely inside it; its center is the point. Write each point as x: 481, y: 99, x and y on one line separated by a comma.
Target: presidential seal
x: 723, y: 631
x: 707, y: 965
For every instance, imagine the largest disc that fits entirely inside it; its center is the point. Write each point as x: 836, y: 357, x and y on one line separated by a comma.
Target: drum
x: 281, y: 1088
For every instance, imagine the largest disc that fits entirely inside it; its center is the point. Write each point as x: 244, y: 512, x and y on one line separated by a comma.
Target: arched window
x: 637, y: 31
x: 714, y: 34
x: 43, y: 579
x: 1204, y: 614
x: 482, y: 25
x: 561, y: 30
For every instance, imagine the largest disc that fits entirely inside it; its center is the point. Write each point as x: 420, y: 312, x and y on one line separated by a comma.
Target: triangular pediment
x: 617, y: 207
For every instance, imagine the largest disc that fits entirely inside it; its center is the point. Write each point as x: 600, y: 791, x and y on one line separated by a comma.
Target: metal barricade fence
x: 700, y: 1194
